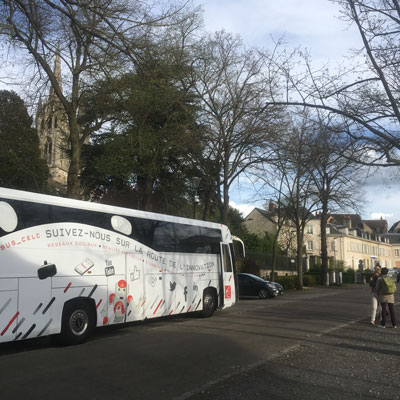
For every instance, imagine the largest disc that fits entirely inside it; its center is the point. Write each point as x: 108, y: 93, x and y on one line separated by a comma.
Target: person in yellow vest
x: 386, y: 288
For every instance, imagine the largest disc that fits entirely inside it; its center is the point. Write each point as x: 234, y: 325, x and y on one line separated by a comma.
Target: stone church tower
x: 52, y: 128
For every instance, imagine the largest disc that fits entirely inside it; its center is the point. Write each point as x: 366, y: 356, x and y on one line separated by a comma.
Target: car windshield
x: 257, y: 278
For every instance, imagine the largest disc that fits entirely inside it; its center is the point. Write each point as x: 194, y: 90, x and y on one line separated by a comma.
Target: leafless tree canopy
x: 93, y: 38
x: 364, y: 98
x: 231, y: 86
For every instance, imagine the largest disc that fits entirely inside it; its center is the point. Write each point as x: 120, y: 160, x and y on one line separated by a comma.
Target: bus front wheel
x: 209, y: 304
x: 77, y: 323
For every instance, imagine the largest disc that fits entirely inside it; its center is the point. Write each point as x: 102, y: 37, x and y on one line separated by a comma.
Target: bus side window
x: 227, y: 258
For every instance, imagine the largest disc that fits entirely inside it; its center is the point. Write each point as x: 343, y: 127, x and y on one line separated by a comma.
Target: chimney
x: 271, y: 206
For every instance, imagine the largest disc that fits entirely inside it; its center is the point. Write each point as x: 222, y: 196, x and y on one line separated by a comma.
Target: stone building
x: 53, y: 132
x: 350, y: 239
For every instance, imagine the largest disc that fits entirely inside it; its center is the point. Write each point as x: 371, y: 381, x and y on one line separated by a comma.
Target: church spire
x: 57, y: 72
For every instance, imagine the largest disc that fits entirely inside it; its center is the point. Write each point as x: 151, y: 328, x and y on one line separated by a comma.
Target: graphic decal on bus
x: 132, y: 269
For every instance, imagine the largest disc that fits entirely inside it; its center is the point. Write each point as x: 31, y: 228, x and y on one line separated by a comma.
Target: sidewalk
x: 357, y: 361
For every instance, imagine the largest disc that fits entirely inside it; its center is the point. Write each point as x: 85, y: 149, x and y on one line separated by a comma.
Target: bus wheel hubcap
x: 78, y: 322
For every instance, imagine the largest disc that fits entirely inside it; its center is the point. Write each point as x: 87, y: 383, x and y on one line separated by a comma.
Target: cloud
x: 313, y: 24
x: 381, y: 215
x: 244, y: 209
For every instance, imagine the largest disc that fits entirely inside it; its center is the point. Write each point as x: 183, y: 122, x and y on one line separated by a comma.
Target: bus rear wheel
x: 209, y: 304
x: 77, y: 323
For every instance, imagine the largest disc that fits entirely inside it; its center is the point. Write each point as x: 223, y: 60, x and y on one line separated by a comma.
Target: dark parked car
x: 252, y: 285
x: 278, y: 288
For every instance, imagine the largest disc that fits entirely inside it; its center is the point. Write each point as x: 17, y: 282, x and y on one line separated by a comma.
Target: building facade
x: 355, y: 248
x: 351, y: 241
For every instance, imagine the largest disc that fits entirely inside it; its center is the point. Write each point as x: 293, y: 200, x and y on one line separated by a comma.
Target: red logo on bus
x: 228, y: 292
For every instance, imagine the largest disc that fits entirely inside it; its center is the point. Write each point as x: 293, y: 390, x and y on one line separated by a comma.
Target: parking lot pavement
x: 356, y: 361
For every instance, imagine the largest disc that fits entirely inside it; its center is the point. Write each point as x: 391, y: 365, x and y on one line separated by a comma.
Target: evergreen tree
x: 145, y: 159
x: 21, y: 166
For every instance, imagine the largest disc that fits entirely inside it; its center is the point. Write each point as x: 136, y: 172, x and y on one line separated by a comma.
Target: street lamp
x: 195, y: 184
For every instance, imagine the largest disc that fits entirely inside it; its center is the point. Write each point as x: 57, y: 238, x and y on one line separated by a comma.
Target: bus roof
x: 87, y: 205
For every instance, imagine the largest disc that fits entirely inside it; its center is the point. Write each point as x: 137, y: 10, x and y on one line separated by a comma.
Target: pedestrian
x: 386, y: 288
x: 375, y: 306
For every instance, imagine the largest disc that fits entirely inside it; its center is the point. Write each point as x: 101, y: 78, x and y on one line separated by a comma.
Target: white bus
x: 67, y: 266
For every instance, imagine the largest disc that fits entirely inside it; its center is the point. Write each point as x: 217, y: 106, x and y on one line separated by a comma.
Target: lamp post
x: 195, y: 184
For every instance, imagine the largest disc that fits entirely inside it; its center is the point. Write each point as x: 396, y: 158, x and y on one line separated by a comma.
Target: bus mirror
x: 121, y: 224
x: 47, y: 271
x: 240, y: 246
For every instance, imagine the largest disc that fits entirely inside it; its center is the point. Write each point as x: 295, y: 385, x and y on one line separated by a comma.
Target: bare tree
x: 294, y: 185
x: 93, y: 38
x: 336, y: 177
x: 229, y: 81
x: 364, y: 98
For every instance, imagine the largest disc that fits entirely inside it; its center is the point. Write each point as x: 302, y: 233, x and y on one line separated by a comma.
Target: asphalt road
x: 281, y: 346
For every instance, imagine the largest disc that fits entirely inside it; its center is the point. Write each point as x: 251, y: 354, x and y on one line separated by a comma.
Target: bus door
x: 125, y: 288
x: 227, y: 287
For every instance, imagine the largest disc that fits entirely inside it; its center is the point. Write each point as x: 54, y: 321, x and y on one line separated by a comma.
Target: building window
x: 310, y: 245
x: 396, y: 252
x: 310, y: 229
x: 49, y: 150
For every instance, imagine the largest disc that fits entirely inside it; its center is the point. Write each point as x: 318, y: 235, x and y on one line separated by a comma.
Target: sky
x: 313, y: 25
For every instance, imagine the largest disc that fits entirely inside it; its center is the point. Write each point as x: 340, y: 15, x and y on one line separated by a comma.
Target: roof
x: 395, y: 228
x: 377, y: 225
x: 394, y: 238
x: 347, y: 220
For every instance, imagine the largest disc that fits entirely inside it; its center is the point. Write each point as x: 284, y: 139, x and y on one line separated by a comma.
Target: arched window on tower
x: 49, y: 123
x: 42, y: 125
x: 49, y: 151
x: 46, y: 150
x: 55, y: 122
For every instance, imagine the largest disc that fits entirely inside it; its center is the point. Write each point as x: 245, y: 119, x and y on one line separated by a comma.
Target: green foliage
x: 291, y: 281
x: 336, y: 265
x: 148, y: 153
x: 316, y: 268
x: 250, y: 266
x: 21, y: 166
x: 235, y: 220
x: 348, y: 276
x: 256, y: 244
x: 312, y: 279
x: 288, y: 281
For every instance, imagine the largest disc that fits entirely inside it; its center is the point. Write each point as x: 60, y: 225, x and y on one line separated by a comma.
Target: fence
x: 282, y: 263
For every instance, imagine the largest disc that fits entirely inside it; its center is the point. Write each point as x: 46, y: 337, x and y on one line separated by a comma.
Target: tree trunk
x: 73, y: 180
x: 225, y: 205
x: 145, y: 191
x: 324, y: 248
x: 273, y: 261
x: 299, y: 259
x: 207, y: 205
